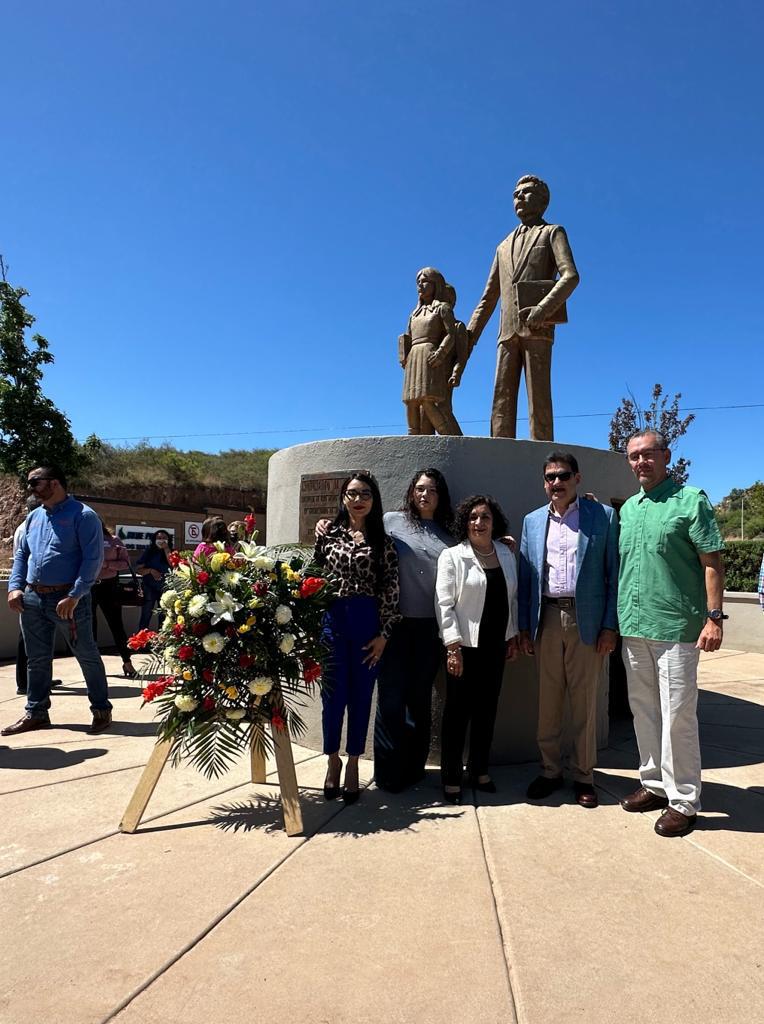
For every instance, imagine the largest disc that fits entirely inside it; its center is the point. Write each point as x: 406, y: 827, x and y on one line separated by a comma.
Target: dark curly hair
x: 462, y: 517
x: 444, y: 513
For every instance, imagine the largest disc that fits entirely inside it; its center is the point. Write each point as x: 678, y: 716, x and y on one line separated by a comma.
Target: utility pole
x: 742, y: 520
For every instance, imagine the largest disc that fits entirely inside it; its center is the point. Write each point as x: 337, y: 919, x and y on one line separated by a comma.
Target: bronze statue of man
x: 534, y: 273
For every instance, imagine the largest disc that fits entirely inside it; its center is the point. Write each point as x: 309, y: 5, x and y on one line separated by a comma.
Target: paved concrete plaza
x: 397, y: 910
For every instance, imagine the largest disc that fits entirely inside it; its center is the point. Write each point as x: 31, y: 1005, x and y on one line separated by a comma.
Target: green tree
x: 32, y: 430
x: 662, y: 415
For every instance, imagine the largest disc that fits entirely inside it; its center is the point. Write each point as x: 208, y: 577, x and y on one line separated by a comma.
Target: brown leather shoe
x: 101, y: 722
x: 673, y: 823
x: 586, y: 794
x: 643, y: 800
x: 26, y: 724
x: 542, y: 787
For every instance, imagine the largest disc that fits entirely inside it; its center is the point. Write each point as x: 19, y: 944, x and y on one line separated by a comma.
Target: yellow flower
x: 295, y: 593
x: 178, y: 607
x: 188, y: 675
x: 231, y: 691
x: 187, y: 593
x: 255, y: 602
x: 244, y: 628
x: 181, y: 620
x: 218, y: 560
x: 251, y: 620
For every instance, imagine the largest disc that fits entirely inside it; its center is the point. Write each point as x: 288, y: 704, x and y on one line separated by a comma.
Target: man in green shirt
x: 670, y: 590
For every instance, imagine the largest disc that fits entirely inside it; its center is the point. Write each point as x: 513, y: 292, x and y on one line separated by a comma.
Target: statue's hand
x: 403, y: 360
x: 435, y: 358
x: 454, y: 380
x: 532, y: 316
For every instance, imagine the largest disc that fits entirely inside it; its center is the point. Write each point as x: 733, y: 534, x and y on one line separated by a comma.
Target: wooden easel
x: 282, y: 749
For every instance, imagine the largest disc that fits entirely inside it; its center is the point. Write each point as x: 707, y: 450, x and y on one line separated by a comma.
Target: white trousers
x: 663, y: 694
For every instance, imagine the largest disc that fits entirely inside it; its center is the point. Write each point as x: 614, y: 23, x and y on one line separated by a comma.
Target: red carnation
x: 185, y: 652
x: 141, y: 639
x: 208, y: 704
x: 200, y: 628
x: 230, y: 631
x: 150, y: 692
x: 311, y: 585
x: 245, y: 660
x: 202, y: 577
x: 177, y: 629
x: 249, y: 522
x: 208, y: 675
x: 277, y: 721
x: 261, y: 589
x: 311, y: 670
x: 174, y: 559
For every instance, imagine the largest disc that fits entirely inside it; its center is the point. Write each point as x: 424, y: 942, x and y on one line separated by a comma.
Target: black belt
x: 561, y: 602
x: 45, y: 588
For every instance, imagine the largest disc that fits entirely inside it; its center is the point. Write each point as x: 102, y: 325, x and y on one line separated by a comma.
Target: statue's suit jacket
x: 537, y: 253
x: 597, y: 569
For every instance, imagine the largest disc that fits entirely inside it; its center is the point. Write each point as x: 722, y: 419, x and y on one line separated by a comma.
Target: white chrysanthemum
x: 184, y: 702
x: 283, y: 615
x: 168, y: 599
x: 263, y: 562
x: 197, y: 606
x: 235, y: 714
x: 287, y: 643
x: 261, y: 685
x: 230, y: 579
x: 213, y: 643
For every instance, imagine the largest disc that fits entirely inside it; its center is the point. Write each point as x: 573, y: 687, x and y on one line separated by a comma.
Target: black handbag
x: 129, y: 590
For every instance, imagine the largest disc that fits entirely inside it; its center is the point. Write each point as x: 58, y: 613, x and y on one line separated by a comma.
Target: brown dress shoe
x: 101, y: 722
x: 586, y: 794
x: 26, y: 724
x: 673, y: 823
x: 643, y: 800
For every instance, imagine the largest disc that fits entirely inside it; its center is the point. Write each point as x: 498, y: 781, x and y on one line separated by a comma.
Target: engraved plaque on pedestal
x: 319, y: 498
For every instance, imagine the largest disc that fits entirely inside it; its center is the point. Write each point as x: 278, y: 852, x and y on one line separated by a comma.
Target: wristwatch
x: 716, y: 615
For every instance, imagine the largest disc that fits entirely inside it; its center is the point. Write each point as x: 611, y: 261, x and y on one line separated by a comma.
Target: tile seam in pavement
x: 300, y: 844
x: 111, y: 771
x: 144, y: 821
x: 503, y: 939
x: 695, y: 845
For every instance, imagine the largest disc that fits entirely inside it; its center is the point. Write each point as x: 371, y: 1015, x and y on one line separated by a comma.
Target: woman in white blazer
x: 476, y: 607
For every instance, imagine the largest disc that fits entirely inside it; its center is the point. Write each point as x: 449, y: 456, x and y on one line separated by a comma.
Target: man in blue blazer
x: 567, y: 612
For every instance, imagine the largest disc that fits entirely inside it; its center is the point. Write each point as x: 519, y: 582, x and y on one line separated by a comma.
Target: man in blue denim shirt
x: 56, y: 564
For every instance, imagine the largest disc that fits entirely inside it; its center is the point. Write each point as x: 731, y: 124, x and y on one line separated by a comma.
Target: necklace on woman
x: 485, y: 556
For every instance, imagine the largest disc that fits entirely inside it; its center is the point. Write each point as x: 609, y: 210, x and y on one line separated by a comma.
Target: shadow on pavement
x: 45, y: 758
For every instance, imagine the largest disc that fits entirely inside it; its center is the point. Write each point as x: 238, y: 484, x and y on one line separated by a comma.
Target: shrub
x: 742, y: 560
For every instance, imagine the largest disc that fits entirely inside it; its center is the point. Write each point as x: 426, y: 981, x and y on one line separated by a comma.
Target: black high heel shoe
x: 129, y: 670
x: 332, y: 792
x: 452, y: 798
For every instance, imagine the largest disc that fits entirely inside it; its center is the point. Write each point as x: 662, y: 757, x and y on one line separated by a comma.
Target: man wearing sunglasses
x: 56, y: 564
x: 670, y: 595
x: 568, y: 618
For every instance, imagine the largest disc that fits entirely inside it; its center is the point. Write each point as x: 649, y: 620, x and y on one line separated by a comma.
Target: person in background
x: 153, y: 566
x: 214, y: 531
x: 237, y: 531
x: 476, y: 606
x: 56, y: 563
x: 358, y: 623
x: 32, y: 503
x: 105, y: 595
x: 414, y: 653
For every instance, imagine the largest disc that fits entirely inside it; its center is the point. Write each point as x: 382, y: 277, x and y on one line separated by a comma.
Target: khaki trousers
x: 566, y: 666
x: 534, y: 355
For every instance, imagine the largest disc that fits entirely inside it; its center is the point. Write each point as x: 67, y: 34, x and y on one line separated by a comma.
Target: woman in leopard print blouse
x: 362, y: 560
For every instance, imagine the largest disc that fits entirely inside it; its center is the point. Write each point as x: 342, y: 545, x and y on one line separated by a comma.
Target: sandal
x: 129, y: 670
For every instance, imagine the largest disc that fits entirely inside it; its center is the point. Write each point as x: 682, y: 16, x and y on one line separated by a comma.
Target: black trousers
x: 407, y: 671
x: 105, y: 596
x: 471, y: 699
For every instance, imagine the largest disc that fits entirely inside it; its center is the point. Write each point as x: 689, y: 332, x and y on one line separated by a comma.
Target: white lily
x: 223, y: 607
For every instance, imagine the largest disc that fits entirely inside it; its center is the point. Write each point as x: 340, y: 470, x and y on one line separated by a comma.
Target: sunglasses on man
x: 565, y: 474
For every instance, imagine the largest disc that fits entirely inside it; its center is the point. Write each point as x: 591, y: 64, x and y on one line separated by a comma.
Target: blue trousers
x: 38, y: 624
x: 350, y: 623
x: 152, y: 591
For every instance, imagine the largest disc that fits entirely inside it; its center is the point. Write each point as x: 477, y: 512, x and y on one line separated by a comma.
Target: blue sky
x: 219, y: 210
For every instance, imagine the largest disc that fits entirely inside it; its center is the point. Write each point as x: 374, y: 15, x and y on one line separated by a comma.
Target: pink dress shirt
x: 560, y: 568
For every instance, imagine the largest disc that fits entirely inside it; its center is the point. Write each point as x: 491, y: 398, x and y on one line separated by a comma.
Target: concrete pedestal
x: 510, y: 470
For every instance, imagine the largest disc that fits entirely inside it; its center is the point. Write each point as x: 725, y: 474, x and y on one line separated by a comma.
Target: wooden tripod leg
x: 257, y: 755
x: 290, y: 796
x: 131, y: 819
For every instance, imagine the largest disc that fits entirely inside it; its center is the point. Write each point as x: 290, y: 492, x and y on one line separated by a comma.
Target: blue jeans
x: 152, y: 591
x: 350, y: 623
x: 38, y: 624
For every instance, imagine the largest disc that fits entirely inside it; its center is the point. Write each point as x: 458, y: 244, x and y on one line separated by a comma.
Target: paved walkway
x: 397, y: 909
